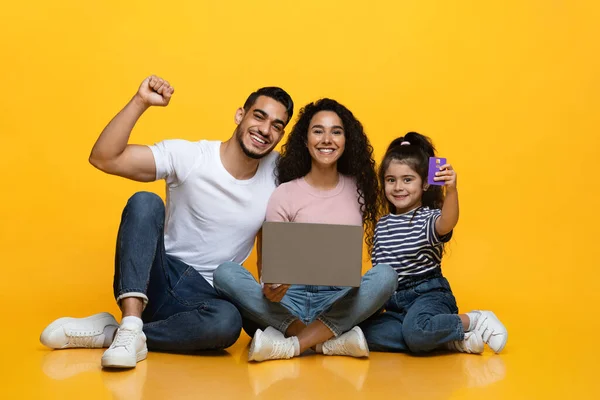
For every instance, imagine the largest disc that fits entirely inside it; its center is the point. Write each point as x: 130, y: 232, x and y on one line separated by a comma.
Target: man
x: 217, y: 195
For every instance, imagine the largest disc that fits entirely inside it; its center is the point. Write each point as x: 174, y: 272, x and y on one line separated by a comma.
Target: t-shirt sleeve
x: 278, y: 208
x: 432, y: 237
x: 175, y: 159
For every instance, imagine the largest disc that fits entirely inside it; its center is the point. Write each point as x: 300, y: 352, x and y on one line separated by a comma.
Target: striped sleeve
x: 432, y: 236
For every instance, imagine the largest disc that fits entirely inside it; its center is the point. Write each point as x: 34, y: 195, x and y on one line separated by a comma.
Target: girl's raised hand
x: 446, y: 174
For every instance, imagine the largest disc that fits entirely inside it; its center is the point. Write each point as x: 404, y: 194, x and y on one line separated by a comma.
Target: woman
x: 327, y: 175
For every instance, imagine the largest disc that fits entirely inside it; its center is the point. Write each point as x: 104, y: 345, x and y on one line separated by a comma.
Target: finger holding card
x: 447, y: 175
x: 441, y: 173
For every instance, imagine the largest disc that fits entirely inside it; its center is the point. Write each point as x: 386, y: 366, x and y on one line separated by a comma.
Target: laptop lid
x: 312, y: 254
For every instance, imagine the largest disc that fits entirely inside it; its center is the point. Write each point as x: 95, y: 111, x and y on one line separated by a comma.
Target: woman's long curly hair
x: 356, y: 160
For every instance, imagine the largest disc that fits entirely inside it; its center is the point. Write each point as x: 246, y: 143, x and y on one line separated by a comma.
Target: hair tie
x: 405, y: 143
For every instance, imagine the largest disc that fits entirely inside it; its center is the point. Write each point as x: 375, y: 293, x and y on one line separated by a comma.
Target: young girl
x: 422, y: 315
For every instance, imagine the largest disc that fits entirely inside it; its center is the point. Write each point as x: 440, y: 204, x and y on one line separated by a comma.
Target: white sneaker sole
x: 362, y: 350
x: 59, y: 323
x: 120, y: 362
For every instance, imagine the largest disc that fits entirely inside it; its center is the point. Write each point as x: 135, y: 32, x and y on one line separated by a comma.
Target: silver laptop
x: 312, y: 254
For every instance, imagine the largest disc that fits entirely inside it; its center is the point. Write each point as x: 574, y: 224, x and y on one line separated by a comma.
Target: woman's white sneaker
x: 269, y: 345
x: 351, y: 343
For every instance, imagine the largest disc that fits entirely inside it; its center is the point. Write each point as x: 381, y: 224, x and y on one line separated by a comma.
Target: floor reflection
x: 230, y: 375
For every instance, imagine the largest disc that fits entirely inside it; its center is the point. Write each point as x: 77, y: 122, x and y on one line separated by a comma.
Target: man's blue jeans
x: 183, y: 311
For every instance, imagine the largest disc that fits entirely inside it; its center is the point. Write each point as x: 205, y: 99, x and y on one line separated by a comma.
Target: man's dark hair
x: 276, y: 93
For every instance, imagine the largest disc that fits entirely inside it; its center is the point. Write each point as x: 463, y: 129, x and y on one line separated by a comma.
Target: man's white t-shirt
x: 211, y: 217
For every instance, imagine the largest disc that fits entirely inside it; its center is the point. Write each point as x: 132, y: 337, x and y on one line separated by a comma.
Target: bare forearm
x: 115, y: 136
x: 449, y: 216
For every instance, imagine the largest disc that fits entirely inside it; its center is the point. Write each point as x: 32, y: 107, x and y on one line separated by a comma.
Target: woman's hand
x: 275, y: 291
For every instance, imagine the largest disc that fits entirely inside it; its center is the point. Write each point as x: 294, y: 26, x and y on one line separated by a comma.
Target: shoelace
x: 342, y: 350
x: 81, y: 339
x: 339, y: 346
x: 281, y: 349
x: 124, y: 337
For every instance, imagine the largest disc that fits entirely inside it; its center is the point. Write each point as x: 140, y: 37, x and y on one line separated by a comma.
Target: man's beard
x: 239, y: 136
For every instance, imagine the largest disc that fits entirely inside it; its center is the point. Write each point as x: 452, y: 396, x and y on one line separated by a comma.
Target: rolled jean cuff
x: 331, y: 326
x: 283, y: 327
x: 139, y: 295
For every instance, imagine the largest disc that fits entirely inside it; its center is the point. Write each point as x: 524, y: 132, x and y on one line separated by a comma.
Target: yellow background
x: 508, y: 91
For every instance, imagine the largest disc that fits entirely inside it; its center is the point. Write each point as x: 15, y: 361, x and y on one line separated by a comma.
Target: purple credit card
x: 435, y: 163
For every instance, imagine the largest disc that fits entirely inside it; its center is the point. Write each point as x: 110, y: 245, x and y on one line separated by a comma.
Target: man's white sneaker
x: 472, y: 343
x: 91, y: 332
x: 269, y: 346
x: 491, y: 330
x: 351, y: 343
x: 128, y: 348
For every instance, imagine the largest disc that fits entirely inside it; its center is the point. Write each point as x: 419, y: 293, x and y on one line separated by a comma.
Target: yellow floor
x: 538, y: 363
